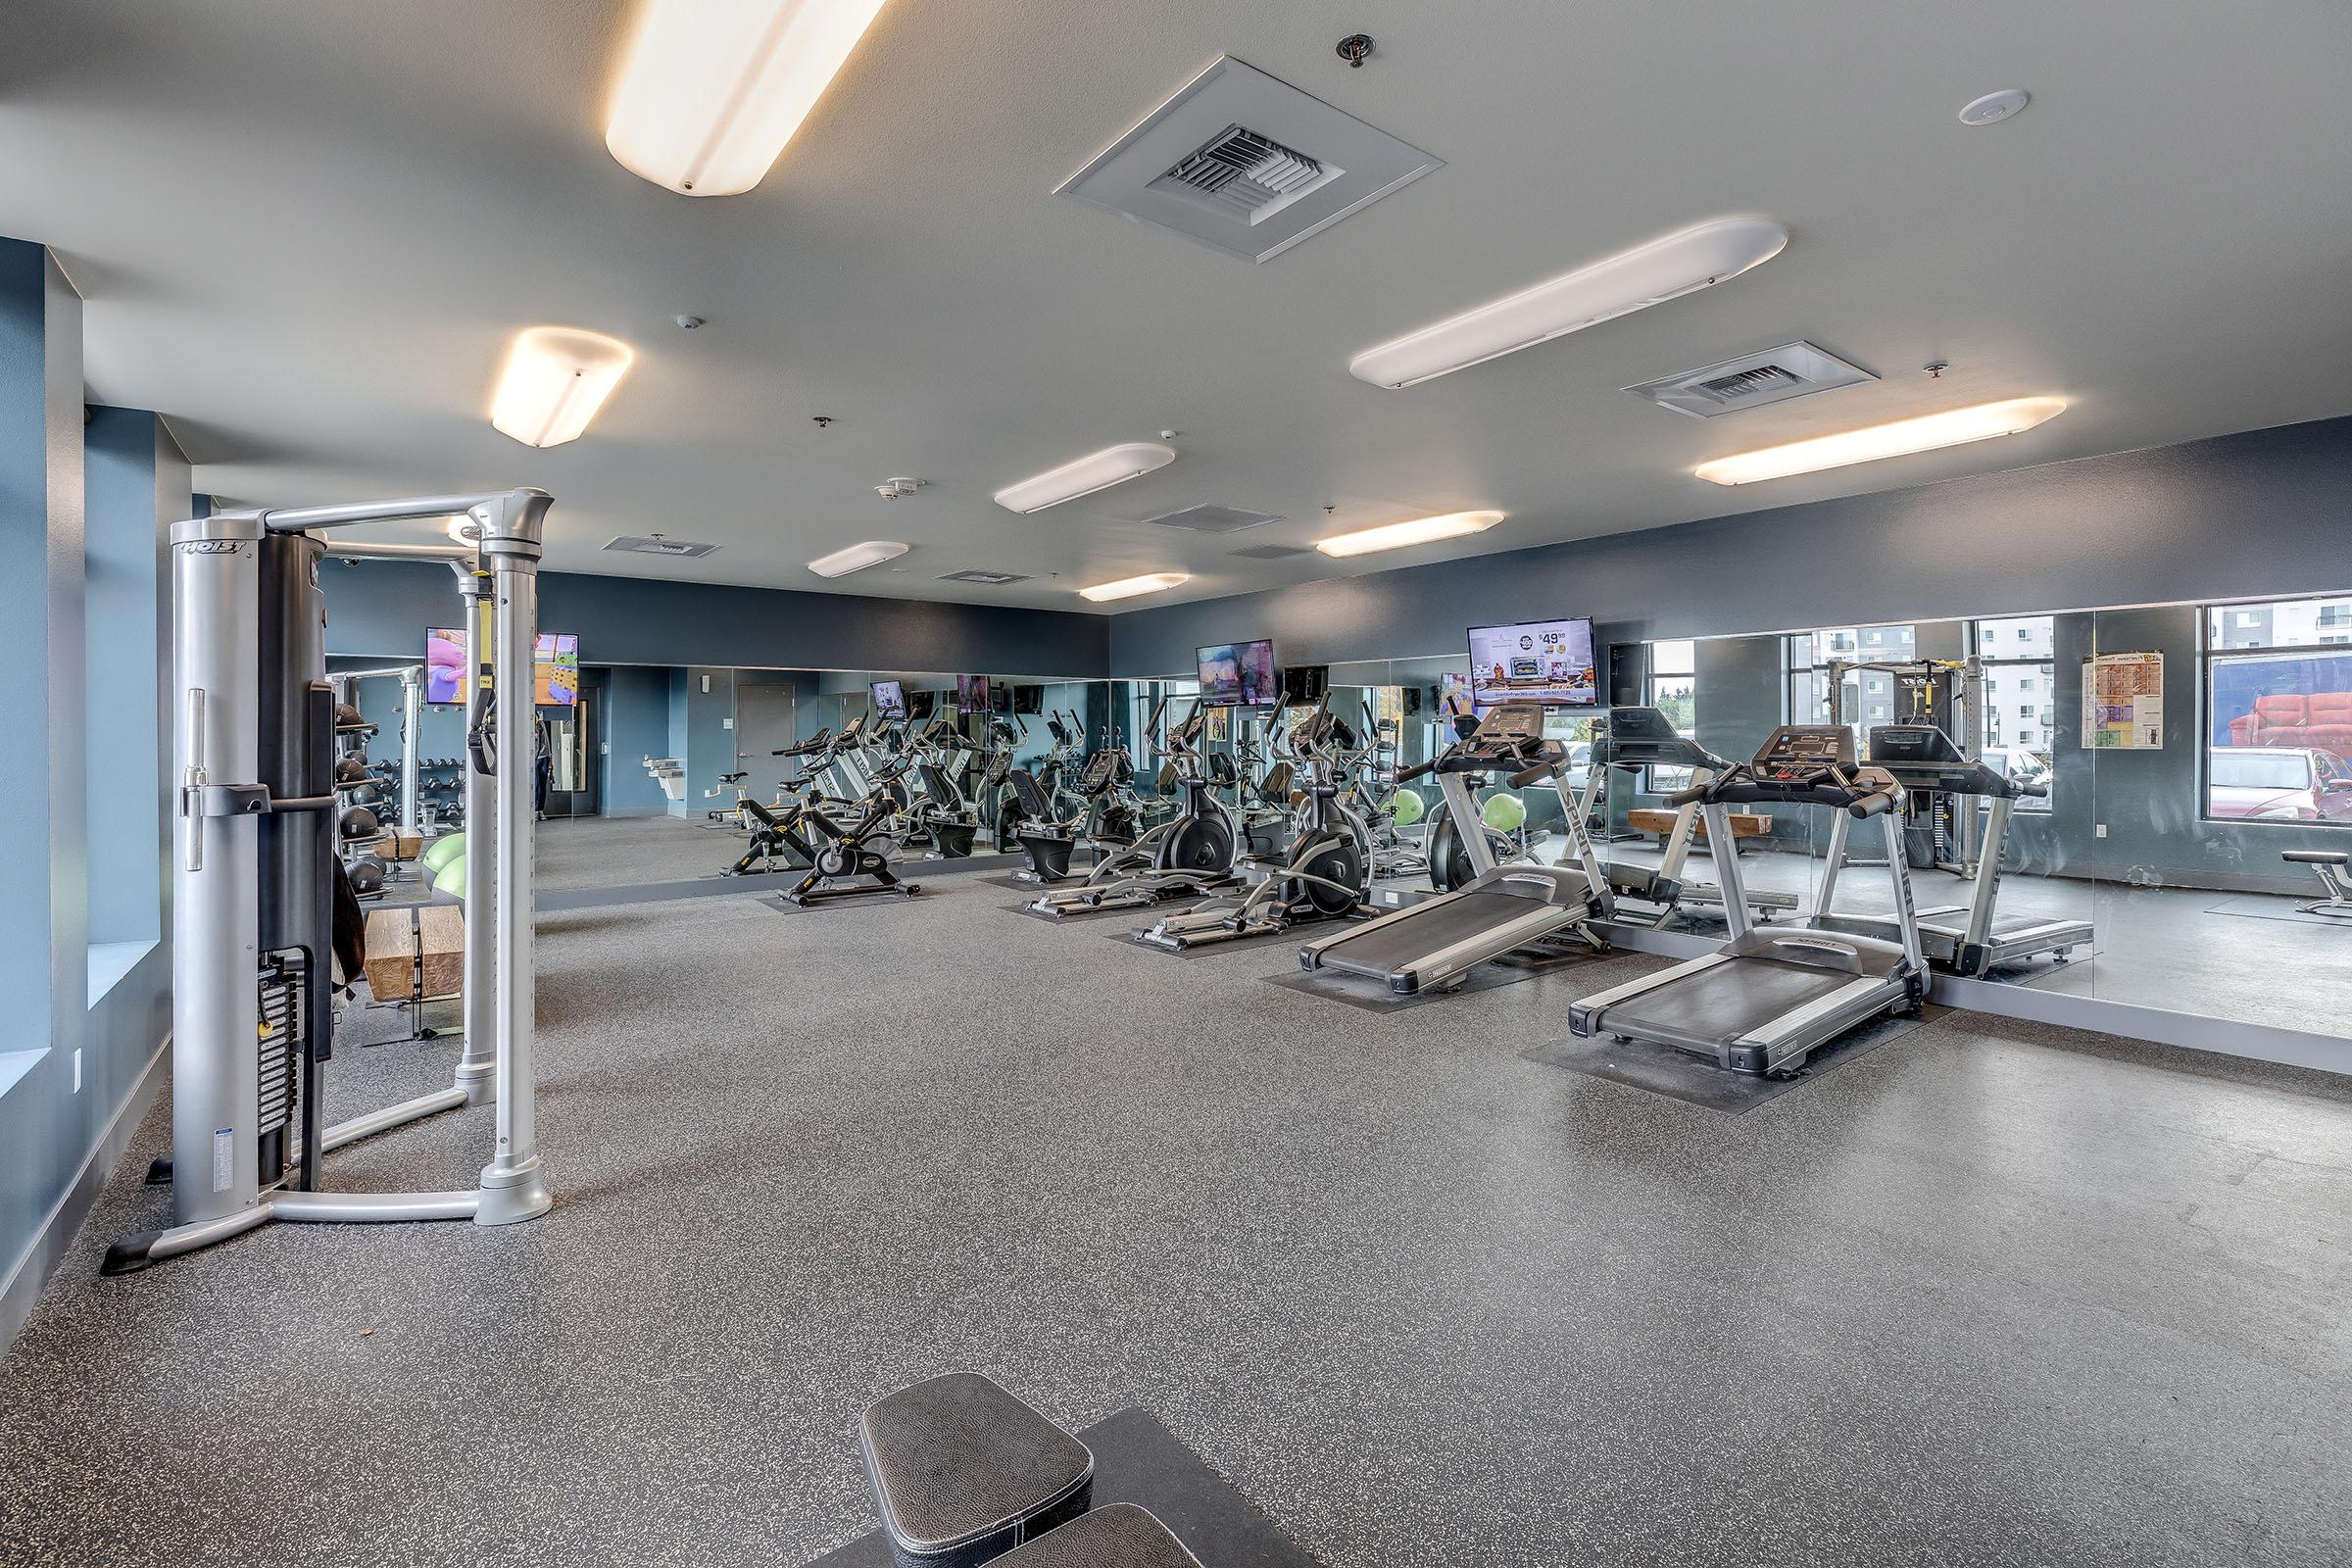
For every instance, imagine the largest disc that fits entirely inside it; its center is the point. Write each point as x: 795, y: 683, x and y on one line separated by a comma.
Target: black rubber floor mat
x: 1229, y: 945
x: 2258, y: 906
x: 1137, y: 1460
x: 1134, y: 913
x: 784, y: 906
x: 1698, y: 1081
x: 1360, y: 991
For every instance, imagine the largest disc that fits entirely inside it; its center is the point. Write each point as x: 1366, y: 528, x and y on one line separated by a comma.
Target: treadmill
x: 1962, y: 939
x: 1433, y: 944
x: 1771, y: 995
x: 1631, y: 739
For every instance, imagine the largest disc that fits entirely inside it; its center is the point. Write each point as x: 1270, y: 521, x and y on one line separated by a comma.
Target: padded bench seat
x: 1120, y: 1536
x: 963, y: 1472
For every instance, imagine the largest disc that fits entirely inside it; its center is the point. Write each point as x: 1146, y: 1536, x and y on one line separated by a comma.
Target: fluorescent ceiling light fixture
x: 555, y: 379
x: 856, y: 558
x: 1129, y: 587
x: 1416, y: 531
x: 716, y: 88
x: 1951, y: 429
x: 1098, y: 470
x: 1617, y: 285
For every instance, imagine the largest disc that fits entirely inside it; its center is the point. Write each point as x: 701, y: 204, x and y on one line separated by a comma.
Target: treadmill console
x: 1797, y: 753
x: 1510, y: 736
x: 1923, y: 758
x: 1643, y: 737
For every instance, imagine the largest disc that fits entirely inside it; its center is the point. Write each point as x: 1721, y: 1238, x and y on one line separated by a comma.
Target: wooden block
x: 1744, y: 825
x: 442, y: 931
x: 405, y: 846
x: 391, y: 955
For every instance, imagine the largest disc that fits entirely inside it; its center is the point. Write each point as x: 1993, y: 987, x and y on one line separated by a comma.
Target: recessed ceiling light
x: 1098, y: 470
x: 1994, y: 106
x: 1129, y: 587
x: 856, y: 558
x: 1416, y: 531
x: 1616, y: 285
x: 716, y: 88
x: 1951, y: 428
x: 555, y: 379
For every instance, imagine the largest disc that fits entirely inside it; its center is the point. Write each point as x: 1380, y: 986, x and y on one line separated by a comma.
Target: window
x: 2018, y: 658
x: 2279, y: 712
x: 1866, y: 696
x: 1670, y: 686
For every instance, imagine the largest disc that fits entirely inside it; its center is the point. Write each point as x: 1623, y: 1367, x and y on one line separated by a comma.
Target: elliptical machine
x: 1325, y: 876
x: 1192, y: 852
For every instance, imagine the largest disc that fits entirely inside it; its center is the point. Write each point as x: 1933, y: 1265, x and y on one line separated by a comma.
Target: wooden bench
x: 1651, y: 819
x: 416, y: 954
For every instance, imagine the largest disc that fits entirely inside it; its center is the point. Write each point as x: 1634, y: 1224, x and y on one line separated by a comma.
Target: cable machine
x: 1949, y: 694
x: 253, y: 881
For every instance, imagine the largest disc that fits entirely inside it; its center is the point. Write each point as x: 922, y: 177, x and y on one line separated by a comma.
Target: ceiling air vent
x: 1273, y: 552
x: 1245, y: 164
x: 1208, y: 518
x: 685, y: 550
x: 987, y: 579
x: 1752, y: 381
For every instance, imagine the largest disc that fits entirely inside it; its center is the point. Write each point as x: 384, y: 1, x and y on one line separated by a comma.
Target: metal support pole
x: 412, y: 716
x: 514, y: 1188
x: 477, y: 1067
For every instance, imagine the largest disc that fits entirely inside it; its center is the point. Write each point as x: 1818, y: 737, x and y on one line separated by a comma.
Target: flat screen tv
x: 1238, y: 674
x: 1028, y: 698
x: 890, y: 699
x: 971, y: 694
x: 920, y: 705
x: 1546, y: 661
x: 554, y: 667
x: 1305, y: 685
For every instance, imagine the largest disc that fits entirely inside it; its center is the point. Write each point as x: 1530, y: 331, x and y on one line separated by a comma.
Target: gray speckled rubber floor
x: 1993, y: 1293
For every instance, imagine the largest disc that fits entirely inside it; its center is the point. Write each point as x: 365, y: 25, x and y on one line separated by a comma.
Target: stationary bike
x: 1325, y: 876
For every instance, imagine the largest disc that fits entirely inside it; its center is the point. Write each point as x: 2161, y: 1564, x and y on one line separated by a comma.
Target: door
x: 575, y: 752
x: 764, y: 721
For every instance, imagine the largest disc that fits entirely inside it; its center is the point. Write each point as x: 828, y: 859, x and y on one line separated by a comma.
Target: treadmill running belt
x: 1724, y: 1003
x: 1433, y: 928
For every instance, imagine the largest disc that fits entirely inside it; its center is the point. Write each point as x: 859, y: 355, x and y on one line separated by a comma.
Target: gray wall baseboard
x: 63, y: 1219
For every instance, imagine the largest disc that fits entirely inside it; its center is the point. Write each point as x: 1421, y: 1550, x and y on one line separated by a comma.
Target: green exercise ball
x: 451, y: 878
x: 443, y: 850
x: 1409, y: 809
x: 1504, y: 813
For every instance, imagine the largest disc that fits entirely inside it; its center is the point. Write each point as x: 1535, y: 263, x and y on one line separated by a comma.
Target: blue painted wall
x: 104, y: 1006
x: 381, y: 608
x: 636, y: 726
x: 2236, y: 516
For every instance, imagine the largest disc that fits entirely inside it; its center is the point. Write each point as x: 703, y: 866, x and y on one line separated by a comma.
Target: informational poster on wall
x: 2123, y: 703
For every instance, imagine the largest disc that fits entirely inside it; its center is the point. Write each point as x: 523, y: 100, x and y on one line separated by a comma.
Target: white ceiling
x: 307, y: 232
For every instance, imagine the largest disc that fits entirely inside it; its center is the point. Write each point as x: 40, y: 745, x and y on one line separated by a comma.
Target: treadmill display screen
x: 1546, y: 661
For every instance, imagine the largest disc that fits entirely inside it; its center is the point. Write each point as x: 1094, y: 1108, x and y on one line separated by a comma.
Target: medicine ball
x: 359, y: 822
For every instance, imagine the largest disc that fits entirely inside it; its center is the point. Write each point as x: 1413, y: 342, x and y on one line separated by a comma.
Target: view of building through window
x: 2279, y: 711
x: 2021, y: 695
